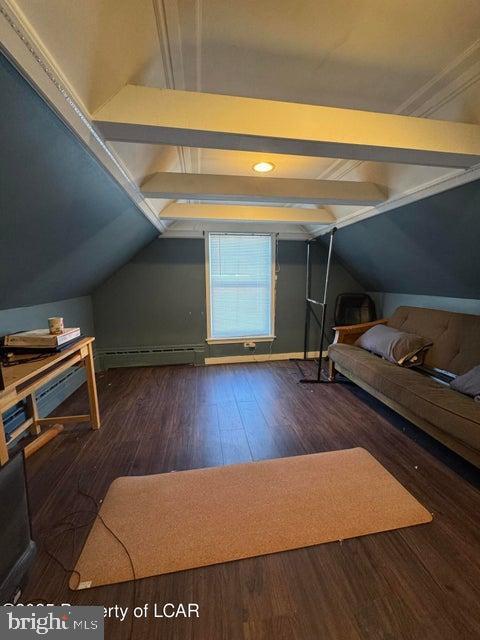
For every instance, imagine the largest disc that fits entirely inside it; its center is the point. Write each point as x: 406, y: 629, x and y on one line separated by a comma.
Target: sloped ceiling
x: 65, y: 224
x: 362, y: 54
x: 428, y: 247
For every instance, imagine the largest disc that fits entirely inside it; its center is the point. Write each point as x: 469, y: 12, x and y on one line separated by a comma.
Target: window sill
x: 240, y: 340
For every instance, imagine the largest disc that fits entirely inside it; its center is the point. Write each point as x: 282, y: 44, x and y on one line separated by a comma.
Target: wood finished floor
x: 419, y: 583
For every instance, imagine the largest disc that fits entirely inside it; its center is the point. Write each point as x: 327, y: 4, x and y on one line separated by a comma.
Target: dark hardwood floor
x: 419, y: 583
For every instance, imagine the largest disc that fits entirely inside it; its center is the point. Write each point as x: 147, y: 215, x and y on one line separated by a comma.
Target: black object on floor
x: 354, y: 308
x: 18, y: 549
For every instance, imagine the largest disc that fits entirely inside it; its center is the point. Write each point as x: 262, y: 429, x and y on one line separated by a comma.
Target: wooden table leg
x: 3, y: 444
x: 331, y: 370
x: 92, y: 389
x: 32, y: 410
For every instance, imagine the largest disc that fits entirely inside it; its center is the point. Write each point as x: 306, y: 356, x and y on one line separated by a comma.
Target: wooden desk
x: 21, y: 381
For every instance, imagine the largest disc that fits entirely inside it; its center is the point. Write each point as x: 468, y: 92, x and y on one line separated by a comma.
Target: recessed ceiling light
x: 263, y: 167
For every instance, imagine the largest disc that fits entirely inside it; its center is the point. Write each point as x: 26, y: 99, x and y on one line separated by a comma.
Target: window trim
x: 239, y: 339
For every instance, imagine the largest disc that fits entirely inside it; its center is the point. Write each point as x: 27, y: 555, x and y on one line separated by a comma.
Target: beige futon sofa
x: 450, y: 416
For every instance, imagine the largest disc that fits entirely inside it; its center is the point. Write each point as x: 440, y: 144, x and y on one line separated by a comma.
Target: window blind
x: 240, y: 272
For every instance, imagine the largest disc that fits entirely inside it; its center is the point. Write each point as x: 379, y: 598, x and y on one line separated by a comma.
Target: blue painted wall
x: 77, y: 312
x: 65, y: 224
x: 388, y: 302
x: 428, y: 248
x: 158, y: 298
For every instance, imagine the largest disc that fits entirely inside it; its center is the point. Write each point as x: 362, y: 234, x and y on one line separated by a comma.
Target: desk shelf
x: 20, y: 382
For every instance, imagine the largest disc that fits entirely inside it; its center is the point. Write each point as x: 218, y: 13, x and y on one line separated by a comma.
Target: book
x: 40, y: 338
x: 8, y: 354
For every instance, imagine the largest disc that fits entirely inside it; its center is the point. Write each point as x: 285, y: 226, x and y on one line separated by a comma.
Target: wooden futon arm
x: 349, y: 333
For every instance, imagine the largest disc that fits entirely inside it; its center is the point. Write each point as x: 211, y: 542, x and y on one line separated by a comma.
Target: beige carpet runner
x: 180, y: 520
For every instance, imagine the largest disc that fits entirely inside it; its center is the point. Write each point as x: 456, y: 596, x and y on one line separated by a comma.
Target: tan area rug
x: 175, y: 521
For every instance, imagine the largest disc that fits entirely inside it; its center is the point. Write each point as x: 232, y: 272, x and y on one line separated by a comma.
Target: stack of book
x: 39, y: 340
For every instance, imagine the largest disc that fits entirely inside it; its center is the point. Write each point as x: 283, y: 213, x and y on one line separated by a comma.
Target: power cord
x: 66, y: 520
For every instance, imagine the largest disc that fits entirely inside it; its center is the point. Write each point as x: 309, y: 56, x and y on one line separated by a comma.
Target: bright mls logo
x: 24, y: 622
x: 41, y: 624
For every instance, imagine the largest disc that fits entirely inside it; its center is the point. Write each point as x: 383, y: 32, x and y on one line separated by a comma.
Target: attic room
x: 240, y: 319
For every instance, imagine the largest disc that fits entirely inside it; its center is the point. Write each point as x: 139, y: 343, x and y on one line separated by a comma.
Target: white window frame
x: 273, y: 275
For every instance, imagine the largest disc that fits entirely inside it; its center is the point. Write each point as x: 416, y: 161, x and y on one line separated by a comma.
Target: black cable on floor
x: 74, y: 528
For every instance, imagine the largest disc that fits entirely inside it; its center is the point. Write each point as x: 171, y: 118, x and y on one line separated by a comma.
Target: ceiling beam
x: 242, y: 213
x: 192, y: 119
x: 265, y: 189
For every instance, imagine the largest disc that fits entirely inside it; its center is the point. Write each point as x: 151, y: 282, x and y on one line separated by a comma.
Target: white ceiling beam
x: 242, y: 213
x: 197, y: 186
x: 192, y: 119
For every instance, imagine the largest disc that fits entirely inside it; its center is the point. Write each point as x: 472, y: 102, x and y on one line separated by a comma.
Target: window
x: 240, y: 286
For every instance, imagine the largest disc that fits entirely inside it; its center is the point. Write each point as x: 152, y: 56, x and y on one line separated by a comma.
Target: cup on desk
x: 55, y: 326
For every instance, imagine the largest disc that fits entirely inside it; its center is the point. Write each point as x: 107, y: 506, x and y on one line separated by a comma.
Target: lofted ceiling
x: 398, y: 57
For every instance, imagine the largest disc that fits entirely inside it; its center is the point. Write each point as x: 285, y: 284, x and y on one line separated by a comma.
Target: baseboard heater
x: 151, y: 356
x: 48, y: 398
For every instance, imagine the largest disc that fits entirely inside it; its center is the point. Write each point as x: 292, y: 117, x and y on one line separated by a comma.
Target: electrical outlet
x: 249, y: 345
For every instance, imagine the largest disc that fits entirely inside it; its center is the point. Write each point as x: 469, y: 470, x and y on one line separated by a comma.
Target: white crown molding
x: 23, y: 47
x: 420, y: 192
x: 198, y: 69
x: 448, y: 84
x: 167, y: 19
x: 455, y: 78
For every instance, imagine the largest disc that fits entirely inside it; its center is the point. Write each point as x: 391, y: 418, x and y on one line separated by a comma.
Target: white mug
x: 55, y: 326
